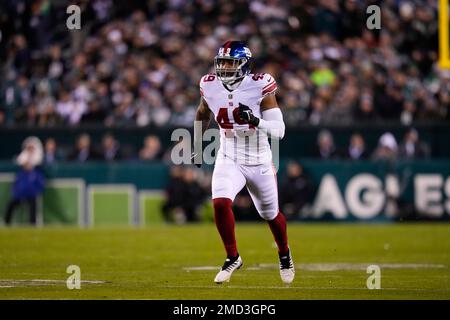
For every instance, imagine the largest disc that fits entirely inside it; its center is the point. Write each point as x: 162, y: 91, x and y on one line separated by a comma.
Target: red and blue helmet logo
x: 233, y: 61
x: 234, y: 49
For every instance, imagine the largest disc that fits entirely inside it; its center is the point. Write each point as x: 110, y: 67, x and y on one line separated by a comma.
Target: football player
x: 246, y: 110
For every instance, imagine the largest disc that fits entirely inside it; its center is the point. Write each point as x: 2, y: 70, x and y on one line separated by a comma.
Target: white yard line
x: 329, y: 266
x: 12, y: 283
x: 287, y: 287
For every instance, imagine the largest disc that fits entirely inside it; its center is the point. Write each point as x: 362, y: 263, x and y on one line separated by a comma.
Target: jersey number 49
x: 224, y: 121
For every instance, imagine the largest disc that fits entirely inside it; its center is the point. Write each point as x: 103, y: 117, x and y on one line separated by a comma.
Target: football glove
x: 246, y: 115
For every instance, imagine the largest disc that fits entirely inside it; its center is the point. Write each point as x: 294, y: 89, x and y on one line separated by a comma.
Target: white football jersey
x: 239, y: 142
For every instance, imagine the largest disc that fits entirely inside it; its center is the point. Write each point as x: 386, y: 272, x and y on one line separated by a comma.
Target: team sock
x: 279, y: 231
x: 224, y: 219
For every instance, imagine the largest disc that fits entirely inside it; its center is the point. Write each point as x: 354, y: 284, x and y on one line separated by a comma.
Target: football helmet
x: 232, y: 62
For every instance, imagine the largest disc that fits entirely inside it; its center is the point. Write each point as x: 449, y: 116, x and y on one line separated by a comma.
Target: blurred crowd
x: 188, y: 189
x: 111, y: 149
x: 138, y: 63
x: 387, y: 149
x: 186, y: 193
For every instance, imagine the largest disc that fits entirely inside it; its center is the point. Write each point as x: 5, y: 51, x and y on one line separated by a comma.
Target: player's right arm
x: 202, y: 121
x: 203, y: 114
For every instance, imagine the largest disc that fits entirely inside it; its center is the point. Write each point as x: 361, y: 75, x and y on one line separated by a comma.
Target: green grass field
x: 180, y: 262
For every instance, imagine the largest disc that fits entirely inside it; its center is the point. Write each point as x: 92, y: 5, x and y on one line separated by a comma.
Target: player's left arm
x: 272, y: 117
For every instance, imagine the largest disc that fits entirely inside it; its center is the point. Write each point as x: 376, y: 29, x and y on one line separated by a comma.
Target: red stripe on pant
x: 224, y: 219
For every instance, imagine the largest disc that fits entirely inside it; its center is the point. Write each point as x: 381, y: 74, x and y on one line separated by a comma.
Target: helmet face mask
x: 230, y: 70
x: 232, y: 62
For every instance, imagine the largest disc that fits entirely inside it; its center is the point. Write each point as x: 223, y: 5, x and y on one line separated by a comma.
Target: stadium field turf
x: 180, y: 262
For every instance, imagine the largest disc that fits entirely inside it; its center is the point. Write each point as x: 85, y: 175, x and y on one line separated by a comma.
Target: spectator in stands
x: 110, y: 148
x: 322, y: 75
x: 357, y: 148
x: 71, y: 107
x: 412, y: 147
x: 387, y: 149
x: 83, y: 150
x: 296, y: 191
x: 243, y: 207
x: 45, y: 104
x: 124, y: 114
x: 181, y: 116
x: 51, y: 152
x: 409, y: 113
x: 184, y: 196
x: 342, y: 106
x: 174, y: 193
x: 327, y: 18
x: 365, y: 110
x: 151, y: 149
x: 193, y: 195
x: 28, y: 117
x: 10, y: 98
x: 94, y: 115
x: 29, y: 182
x: 318, y: 111
x: 321, y: 45
x: 325, y: 146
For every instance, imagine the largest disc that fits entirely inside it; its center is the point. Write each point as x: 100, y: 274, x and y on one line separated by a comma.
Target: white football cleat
x: 227, y: 269
x: 287, y: 269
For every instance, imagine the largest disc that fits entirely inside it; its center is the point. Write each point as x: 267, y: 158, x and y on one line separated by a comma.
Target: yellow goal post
x: 444, y: 56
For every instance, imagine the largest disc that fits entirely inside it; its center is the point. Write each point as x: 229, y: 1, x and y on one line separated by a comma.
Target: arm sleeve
x: 272, y: 122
